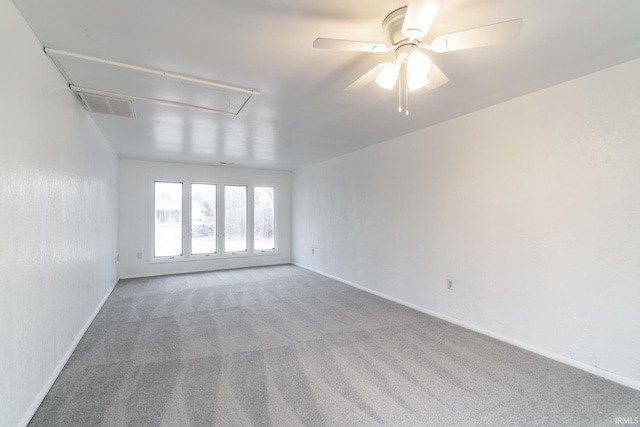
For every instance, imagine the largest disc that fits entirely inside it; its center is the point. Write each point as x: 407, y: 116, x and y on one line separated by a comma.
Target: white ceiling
x: 302, y: 115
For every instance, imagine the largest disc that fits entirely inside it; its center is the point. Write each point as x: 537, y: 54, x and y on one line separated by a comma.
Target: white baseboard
x: 628, y: 382
x: 204, y: 270
x: 37, y: 401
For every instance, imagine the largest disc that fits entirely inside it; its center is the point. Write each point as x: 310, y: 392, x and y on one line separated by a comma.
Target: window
x: 203, y: 219
x: 235, y: 218
x: 198, y: 221
x: 168, y: 219
x: 264, y: 218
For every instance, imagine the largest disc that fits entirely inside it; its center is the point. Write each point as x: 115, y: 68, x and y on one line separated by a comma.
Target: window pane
x: 235, y: 218
x: 264, y: 218
x: 203, y: 219
x: 168, y: 213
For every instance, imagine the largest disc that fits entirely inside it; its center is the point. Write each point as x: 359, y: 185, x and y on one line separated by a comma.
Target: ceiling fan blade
x: 477, y: 37
x: 436, y: 77
x: 366, y: 78
x: 419, y: 17
x: 350, y: 45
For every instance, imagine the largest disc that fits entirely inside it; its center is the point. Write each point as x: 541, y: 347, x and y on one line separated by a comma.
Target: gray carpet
x: 283, y: 346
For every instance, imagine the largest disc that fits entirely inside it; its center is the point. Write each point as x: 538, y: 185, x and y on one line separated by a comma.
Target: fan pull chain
x: 406, y: 98
x: 400, y: 95
x: 402, y: 78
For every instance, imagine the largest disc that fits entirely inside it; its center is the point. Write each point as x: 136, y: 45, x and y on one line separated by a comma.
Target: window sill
x: 211, y: 257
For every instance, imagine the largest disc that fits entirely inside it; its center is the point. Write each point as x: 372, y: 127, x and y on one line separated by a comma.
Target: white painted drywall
x: 58, y: 219
x: 136, y: 213
x: 531, y: 207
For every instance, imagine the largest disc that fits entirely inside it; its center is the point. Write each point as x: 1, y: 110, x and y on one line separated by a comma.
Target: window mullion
x: 186, y: 219
x: 220, y: 206
x: 250, y: 218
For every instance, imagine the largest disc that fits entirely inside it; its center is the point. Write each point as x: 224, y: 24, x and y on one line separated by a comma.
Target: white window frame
x: 220, y: 218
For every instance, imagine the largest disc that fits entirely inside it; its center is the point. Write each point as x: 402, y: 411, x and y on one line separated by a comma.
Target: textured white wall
x: 136, y: 205
x: 58, y: 219
x: 532, y: 207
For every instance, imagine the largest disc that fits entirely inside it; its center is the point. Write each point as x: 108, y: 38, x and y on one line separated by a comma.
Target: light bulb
x: 418, y: 63
x: 418, y: 66
x: 388, y: 75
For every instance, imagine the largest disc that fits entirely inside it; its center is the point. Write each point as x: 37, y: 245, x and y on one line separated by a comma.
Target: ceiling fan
x: 406, y: 29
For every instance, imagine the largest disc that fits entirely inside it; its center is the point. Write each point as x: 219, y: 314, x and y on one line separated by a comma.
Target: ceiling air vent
x: 108, y: 105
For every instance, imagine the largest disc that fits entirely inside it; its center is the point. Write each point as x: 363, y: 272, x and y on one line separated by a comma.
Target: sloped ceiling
x: 302, y: 115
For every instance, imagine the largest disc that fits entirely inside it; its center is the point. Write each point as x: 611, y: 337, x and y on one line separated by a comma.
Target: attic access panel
x: 98, y: 76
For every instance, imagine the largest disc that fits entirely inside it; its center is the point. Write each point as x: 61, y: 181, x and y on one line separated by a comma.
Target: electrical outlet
x: 313, y: 251
x: 450, y: 284
x: 139, y: 255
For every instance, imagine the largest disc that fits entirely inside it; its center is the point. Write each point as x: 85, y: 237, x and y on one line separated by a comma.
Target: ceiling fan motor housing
x: 404, y: 50
x: 392, y: 26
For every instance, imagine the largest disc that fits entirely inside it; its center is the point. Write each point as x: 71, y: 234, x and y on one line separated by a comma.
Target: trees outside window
x: 235, y: 218
x: 264, y: 220
x: 168, y: 219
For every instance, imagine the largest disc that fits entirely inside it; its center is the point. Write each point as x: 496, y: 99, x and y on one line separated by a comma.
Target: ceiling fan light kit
x: 418, y: 66
x: 388, y: 76
x: 406, y: 29
x: 416, y: 81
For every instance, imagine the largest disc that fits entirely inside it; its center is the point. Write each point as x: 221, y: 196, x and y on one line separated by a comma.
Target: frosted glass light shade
x: 416, y: 81
x: 418, y: 66
x: 388, y: 76
x: 418, y: 63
